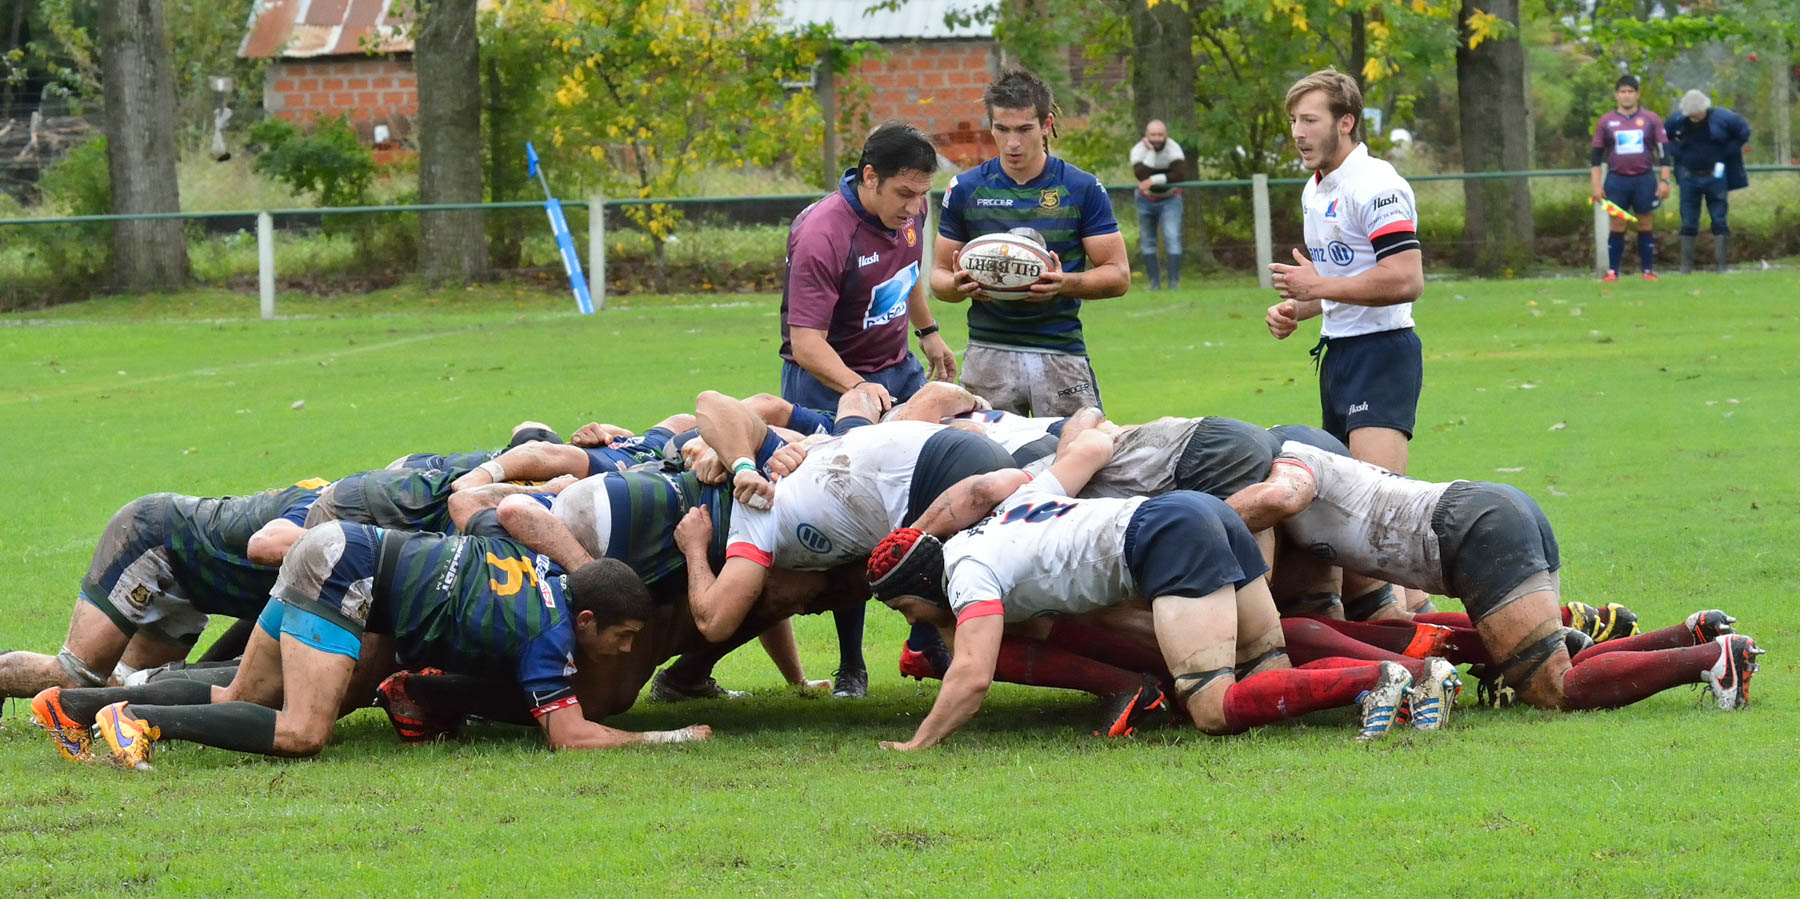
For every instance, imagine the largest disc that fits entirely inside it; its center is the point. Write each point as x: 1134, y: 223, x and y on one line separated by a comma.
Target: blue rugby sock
x: 1646, y: 250
x: 1615, y: 250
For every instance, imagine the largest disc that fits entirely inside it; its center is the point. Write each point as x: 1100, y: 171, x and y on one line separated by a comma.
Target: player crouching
x: 1043, y: 552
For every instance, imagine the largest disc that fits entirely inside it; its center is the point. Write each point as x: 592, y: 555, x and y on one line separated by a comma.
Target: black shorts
x: 947, y: 457
x: 1371, y: 381
x: 1224, y: 456
x: 1491, y: 537
x: 1316, y: 438
x: 1189, y: 544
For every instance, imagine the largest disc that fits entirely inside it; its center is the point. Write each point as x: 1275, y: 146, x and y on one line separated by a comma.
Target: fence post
x: 265, y: 262
x: 1265, y: 240
x: 1602, y: 229
x: 597, y: 248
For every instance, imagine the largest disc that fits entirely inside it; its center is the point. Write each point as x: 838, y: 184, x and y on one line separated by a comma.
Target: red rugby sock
x: 1277, y: 695
x: 1038, y: 664
x: 1416, y: 667
x: 1677, y: 637
x: 1312, y: 639
x: 1621, y: 678
x: 1451, y: 619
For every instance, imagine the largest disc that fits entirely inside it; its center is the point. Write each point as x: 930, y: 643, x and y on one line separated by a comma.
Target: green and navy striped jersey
x: 478, y: 605
x: 646, y: 506
x: 401, y: 498
x: 1063, y: 203
x: 209, y: 540
x: 456, y: 463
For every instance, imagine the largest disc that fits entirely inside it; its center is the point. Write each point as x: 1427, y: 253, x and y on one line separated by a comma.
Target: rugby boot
x: 1610, y: 276
x: 1429, y: 700
x: 1709, y: 625
x: 412, y: 720
x: 1608, y: 622
x: 1122, y: 711
x: 128, y: 738
x: 1429, y: 640
x: 1729, y: 677
x: 72, y: 740
x: 1380, y: 703
x: 1650, y: 275
x: 666, y: 689
x: 932, y: 663
x: 850, y: 683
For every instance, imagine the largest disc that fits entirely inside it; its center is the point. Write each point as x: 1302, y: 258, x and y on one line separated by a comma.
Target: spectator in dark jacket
x: 1707, y: 144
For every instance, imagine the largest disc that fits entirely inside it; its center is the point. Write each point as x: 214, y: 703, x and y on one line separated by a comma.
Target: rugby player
x: 472, y: 605
x: 164, y: 563
x: 522, y: 433
x: 1490, y: 546
x: 1030, y: 356
x: 614, y: 449
x: 1043, y: 552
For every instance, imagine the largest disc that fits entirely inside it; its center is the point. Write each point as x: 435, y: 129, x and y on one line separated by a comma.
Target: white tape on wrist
x: 494, y: 469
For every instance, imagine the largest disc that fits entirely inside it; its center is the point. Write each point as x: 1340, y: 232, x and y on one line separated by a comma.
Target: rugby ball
x: 1005, y: 264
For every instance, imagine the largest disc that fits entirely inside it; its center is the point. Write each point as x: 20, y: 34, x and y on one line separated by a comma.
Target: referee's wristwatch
x: 925, y: 332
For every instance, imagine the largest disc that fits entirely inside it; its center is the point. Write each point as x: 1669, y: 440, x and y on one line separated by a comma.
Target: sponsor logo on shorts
x: 1072, y: 391
x: 813, y: 539
x: 1050, y: 198
x: 139, y: 597
x: 1324, y: 551
x: 1356, y: 407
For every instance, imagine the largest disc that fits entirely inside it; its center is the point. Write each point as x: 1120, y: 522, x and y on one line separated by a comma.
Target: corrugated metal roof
x: 914, y: 20
x: 307, y: 28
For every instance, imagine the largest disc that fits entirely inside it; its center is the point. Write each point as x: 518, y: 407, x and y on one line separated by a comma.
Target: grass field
x: 1654, y: 423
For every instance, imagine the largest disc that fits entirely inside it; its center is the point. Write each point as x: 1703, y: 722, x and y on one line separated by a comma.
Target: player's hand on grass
x: 695, y: 531
x: 810, y: 686
x: 1282, y: 319
x: 784, y: 460
x: 897, y: 746
x: 1300, y: 281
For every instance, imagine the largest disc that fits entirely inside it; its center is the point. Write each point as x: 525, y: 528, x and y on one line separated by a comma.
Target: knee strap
x: 79, y: 670
x: 1361, y: 608
x: 1245, y: 669
x: 1189, y: 684
x: 1319, y: 604
x: 1518, y: 669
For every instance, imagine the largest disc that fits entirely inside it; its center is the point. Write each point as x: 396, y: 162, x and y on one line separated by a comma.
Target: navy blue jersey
x: 456, y: 463
x: 623, y: 454
x: 483, y: 606
x: 209, y: 540
x: 1063, y: 203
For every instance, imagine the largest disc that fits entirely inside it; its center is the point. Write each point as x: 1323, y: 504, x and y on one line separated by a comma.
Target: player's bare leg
x: 93, y: 646
x: 1527, y: 634
x: 1260, y: 644
x: 258, y: 677
x: 315, y: 683
x: 1198, y: 639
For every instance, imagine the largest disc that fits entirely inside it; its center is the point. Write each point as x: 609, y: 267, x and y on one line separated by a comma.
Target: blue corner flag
x: 565, y: 242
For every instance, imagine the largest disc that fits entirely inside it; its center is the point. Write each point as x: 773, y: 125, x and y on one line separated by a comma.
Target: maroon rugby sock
x: 1451, y: 619
x: 1621, y: 678
x: 1038, y: 664
x: 1676, y: 637
x: 1277, y: 695
x: 1313, y: 639
x: 1105, y: 646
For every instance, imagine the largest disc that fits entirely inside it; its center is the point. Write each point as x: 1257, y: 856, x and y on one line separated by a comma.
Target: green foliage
x: 331, y: 163
x: 81, y: 184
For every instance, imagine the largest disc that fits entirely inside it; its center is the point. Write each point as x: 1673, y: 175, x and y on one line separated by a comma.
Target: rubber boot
x: 1687, y: 254
x: 1721, y: 252
x: 1174, y: 271
x: 1151, y: 271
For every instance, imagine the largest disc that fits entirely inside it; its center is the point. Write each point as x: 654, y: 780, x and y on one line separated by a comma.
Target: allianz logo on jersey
x: 1337, y: 252
x: 870, y: 259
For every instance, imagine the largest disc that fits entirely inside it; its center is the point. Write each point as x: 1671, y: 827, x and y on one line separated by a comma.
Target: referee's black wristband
x: 926, y: 331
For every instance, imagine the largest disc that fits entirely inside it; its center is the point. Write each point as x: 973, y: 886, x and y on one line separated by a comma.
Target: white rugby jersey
x: 1143, y: 460
x: 849, y: 493
x: 1368, y: 519
x: 1360, y: 201
x: 1013, y: 431
x: 1041, y: 553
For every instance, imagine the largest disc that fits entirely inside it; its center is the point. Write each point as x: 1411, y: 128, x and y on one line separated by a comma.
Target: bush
x: 70, y: 258
x: 331, y: 163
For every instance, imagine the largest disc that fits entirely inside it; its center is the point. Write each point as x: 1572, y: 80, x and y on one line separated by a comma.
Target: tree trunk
x: 447, y: 58
x: 1162, y: 87
x: 1490, y: 87
x: 1359, y: 53
x: 139, y: 92
x: 505, y: 176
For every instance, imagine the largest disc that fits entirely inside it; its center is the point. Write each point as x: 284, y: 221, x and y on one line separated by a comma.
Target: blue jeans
x: 1695, y: 188
x: 1162, y: 216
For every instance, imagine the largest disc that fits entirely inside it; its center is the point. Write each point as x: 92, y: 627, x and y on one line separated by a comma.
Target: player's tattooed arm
x: 965, y: 684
